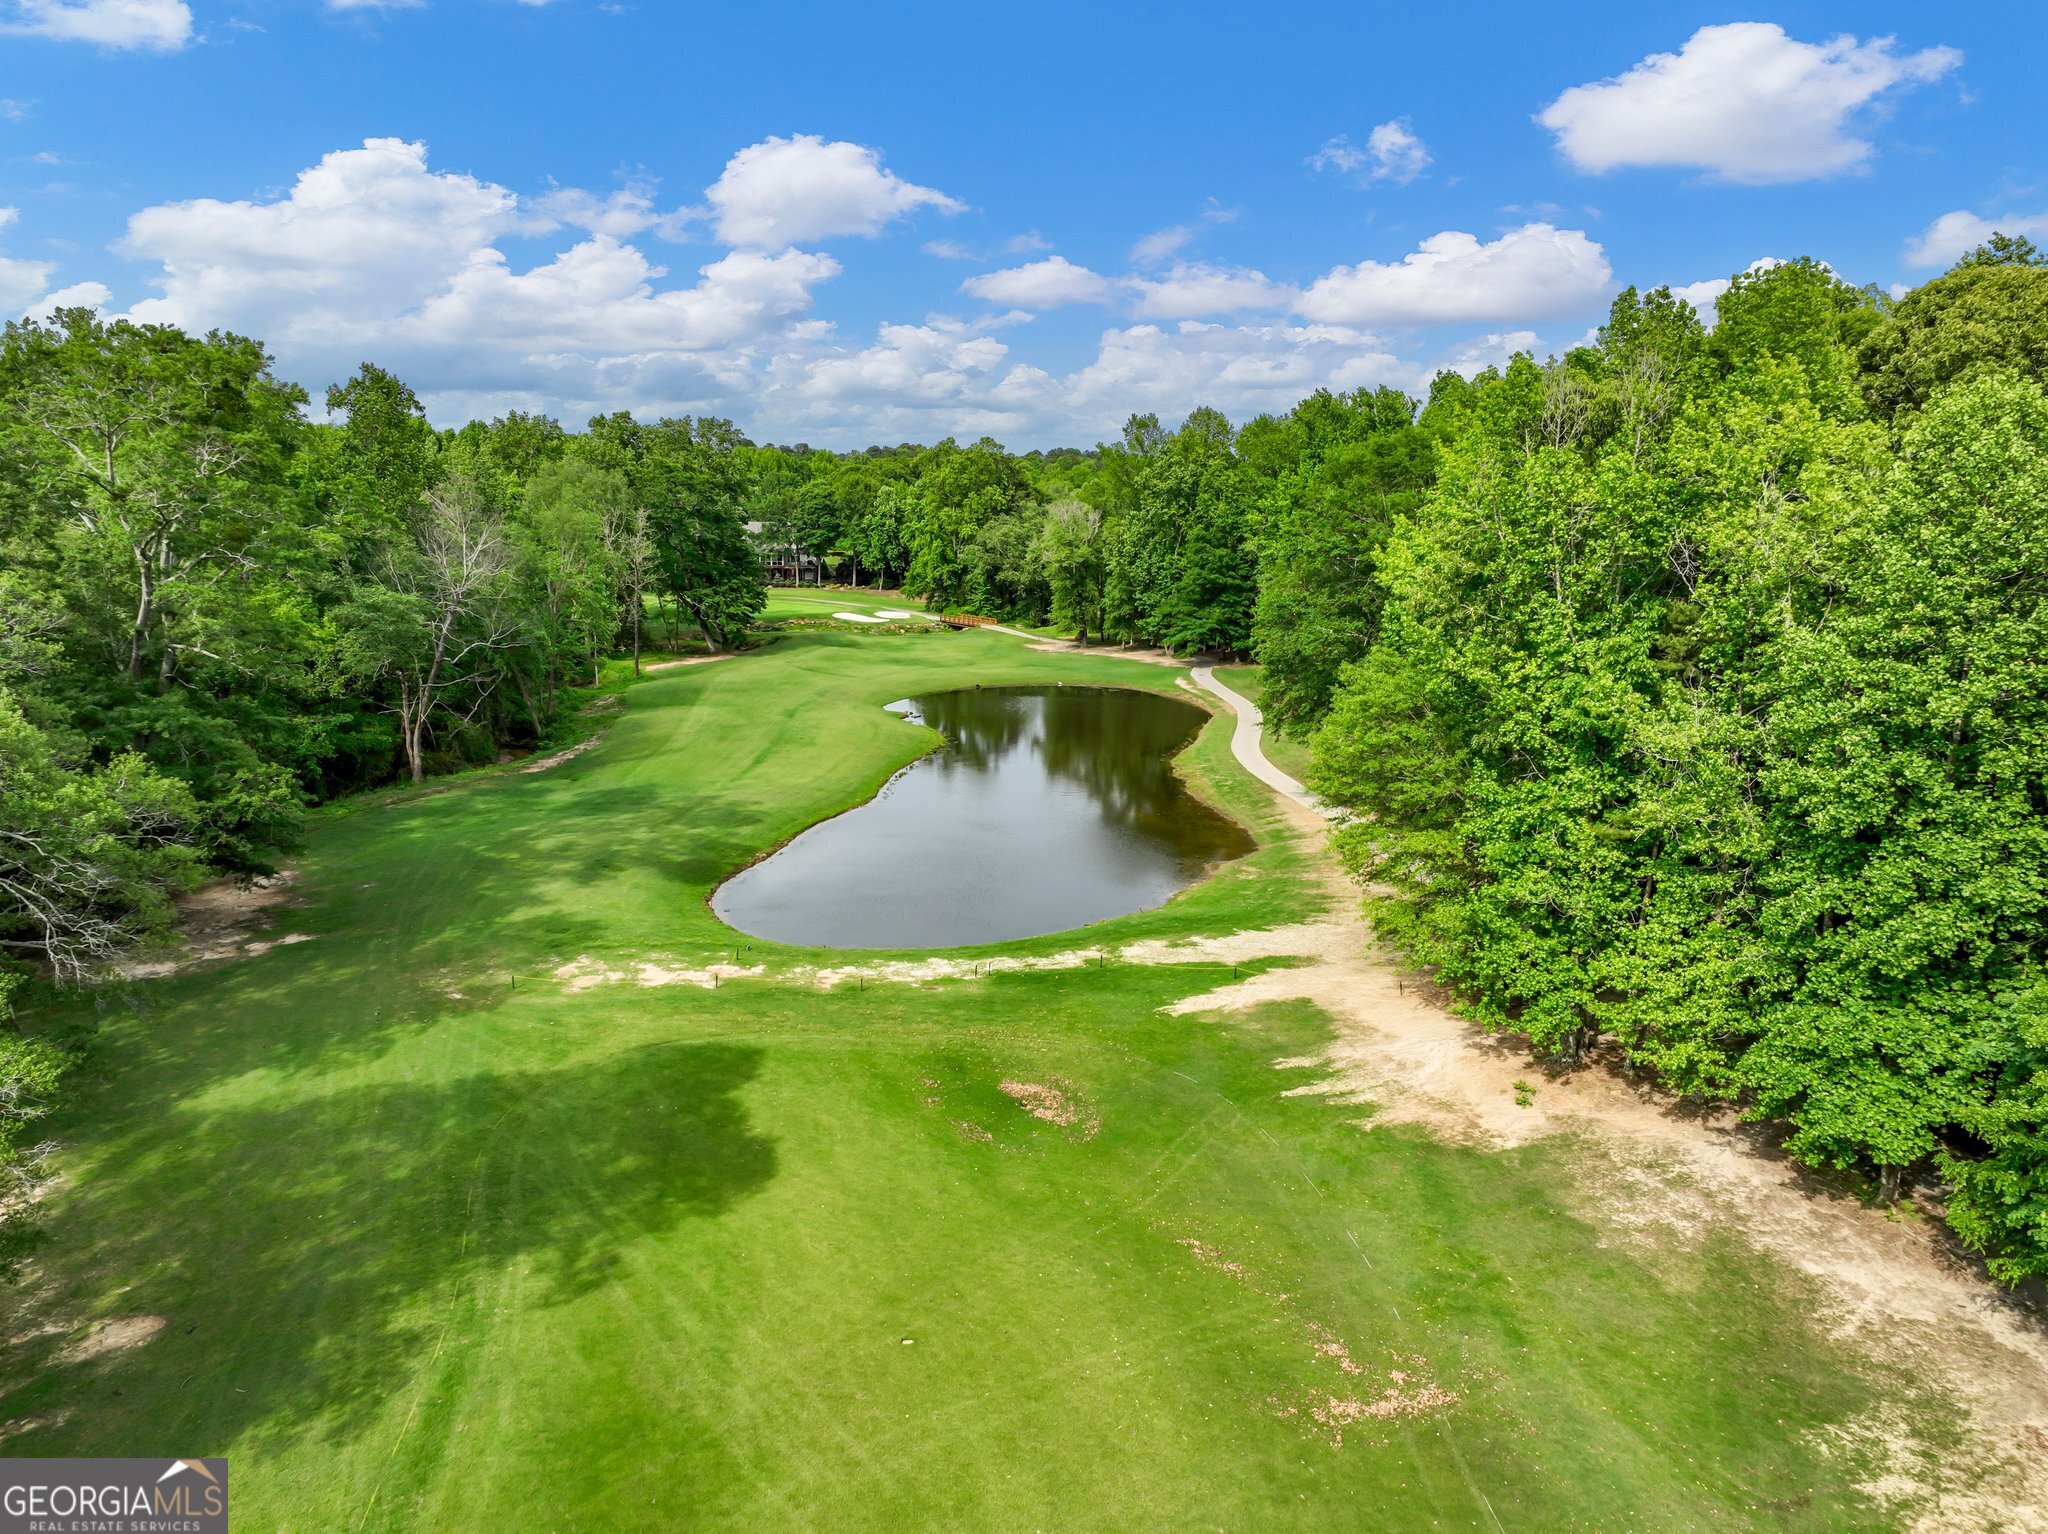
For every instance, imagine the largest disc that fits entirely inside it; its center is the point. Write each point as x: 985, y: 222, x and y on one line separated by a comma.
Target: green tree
x: 1989, y: 312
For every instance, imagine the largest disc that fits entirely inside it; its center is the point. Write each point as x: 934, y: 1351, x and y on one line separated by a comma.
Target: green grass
x: 442, y: 1246
x: 1283, y: 751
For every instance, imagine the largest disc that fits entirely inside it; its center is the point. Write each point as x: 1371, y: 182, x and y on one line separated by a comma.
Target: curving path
x: 1247, y: 743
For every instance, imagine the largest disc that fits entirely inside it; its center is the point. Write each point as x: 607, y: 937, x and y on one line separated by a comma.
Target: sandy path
x: 1248, y: 742
x: 689, y: 660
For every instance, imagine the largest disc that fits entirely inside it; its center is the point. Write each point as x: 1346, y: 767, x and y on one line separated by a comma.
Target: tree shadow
x: 306, y: 1256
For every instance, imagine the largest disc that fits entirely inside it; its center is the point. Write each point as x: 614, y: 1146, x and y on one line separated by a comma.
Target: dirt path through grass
x: 1655, y: 1165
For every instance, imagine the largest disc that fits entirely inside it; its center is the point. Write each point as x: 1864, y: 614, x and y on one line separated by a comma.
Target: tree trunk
x: 411, y: 722
x: 145, y: 615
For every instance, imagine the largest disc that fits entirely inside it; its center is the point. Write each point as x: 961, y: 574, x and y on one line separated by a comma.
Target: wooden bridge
x: 962, y: 621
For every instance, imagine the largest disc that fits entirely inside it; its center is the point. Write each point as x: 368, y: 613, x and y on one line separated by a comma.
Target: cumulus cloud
x: 599, y: 296
x: 785, y: 191
x: 1532, y: 273
x: 79, y: 295
x: 1743, y: 102
x: 22, y: 283
x: 372, y: 252
x: 1046, y: 284
x: 625, y: 212
x: 1391, y: 152
x: 159, y: 24
x: 1954, y: 235
x: 1193, y: 290
x: 944, y: 376
x: 1242, y: 370
x: 367, y: 232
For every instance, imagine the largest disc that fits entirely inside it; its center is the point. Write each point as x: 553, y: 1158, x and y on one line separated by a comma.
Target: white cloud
x: 22, y: 283
x: 1241, y: 370
x: 599, y: 296
x: 627, y: 211
x: 910, y: 370
x: 1954, y: 235
x: 1494, y: 350
x: 1163, y: 243
x: 1392, y: 152
x: 919, y: 382
x: 783, y: 191
x: 1046, y: 284
x: 1535, y: 272
x: 366, y: 232
x: 372, y: 253
x: 1743, y: 102
x: 1702, y: 295
x: 1193, y: 290
x: 79, y: 295
x: 160, y: 24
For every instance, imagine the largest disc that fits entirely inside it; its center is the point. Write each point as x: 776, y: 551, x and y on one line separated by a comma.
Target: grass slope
x: 442, y: 1246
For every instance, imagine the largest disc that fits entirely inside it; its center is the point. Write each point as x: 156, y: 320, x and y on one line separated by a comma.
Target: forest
x: 1683, y: 694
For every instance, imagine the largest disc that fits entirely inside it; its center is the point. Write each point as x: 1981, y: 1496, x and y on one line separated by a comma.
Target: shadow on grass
x: 307, y: 1260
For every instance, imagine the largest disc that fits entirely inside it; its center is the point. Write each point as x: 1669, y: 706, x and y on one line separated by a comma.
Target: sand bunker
x: 899, y: 614
x: 688, y: 660
x: 859, y: 618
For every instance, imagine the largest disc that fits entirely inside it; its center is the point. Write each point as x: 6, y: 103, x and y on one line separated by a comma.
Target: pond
x: 1046, y: 808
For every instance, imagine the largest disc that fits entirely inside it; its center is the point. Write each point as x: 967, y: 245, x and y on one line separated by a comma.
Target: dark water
x: 1047, y: 808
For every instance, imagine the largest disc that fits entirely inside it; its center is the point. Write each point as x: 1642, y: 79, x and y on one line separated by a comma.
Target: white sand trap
x: 899, y: 614
x: 859, y: 618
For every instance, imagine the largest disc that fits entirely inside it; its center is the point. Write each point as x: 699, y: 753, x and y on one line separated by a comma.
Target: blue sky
x: 849, y: 224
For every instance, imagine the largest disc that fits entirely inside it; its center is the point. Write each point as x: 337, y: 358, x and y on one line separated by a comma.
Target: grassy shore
x: 439, y: 1242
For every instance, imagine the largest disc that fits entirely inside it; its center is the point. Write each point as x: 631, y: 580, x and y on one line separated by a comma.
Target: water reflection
x: 1047, y: 808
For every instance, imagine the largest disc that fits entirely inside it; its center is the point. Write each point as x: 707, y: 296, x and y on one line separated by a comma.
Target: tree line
x: 1682, y: 692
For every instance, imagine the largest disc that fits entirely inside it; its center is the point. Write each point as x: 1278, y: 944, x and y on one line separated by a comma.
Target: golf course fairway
x: 443, y: 1217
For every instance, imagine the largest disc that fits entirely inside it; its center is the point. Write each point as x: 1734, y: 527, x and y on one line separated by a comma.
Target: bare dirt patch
x: 115, y: 1336
x: 586, y: 973
x: 559, y: 757
x: 219, y: 921
x: 689, y: 660
x: 1150, y: 657
x: 1055, y: 1104
x: 1408, y: 1392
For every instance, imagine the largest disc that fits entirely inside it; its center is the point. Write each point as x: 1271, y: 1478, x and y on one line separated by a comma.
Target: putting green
x: 440, y: 1243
